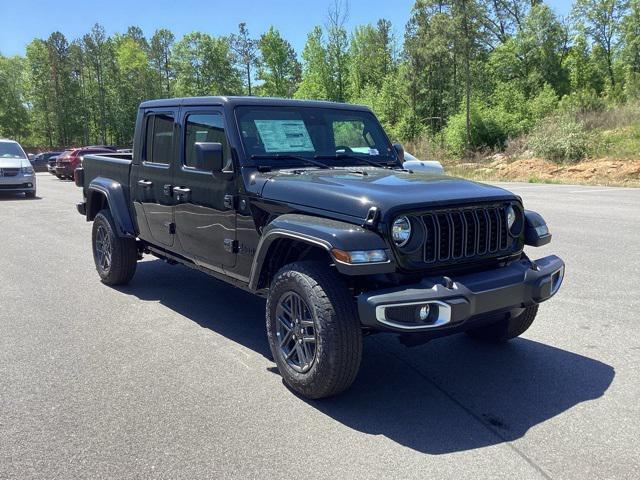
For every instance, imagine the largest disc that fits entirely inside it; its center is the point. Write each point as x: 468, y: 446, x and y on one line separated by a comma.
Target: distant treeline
x: 469, y: 73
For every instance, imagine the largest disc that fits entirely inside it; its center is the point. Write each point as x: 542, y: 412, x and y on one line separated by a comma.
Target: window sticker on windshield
x: 284, y: 136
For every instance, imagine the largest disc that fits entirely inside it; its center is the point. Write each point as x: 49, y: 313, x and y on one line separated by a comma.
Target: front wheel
x: 313, y: 330
x: 506, y: 329
x: 115, y: 257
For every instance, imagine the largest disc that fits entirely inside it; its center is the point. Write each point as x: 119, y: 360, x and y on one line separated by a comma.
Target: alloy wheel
x: 103, y: 248
x: 296, y: 332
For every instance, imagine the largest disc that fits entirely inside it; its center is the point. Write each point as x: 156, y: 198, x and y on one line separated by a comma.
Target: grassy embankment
x: 594, y: 148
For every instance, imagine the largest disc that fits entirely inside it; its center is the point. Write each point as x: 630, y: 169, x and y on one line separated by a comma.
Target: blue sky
x: 22, y: 20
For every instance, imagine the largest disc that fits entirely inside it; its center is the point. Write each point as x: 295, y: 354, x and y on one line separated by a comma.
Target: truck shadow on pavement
x: 449, y: 395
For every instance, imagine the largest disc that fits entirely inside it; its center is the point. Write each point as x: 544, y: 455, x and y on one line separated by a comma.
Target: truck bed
x: 114, y: 166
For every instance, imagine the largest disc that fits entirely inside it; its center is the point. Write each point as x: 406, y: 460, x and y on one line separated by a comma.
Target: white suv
x: 16, y: 172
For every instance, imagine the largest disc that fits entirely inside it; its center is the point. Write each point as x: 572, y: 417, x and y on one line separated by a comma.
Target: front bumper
x: 464, y: 301
x: 18, y: 183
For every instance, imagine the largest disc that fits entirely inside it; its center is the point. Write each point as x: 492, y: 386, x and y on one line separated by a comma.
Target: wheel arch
x: 297, y: 237
x: 105, y: 193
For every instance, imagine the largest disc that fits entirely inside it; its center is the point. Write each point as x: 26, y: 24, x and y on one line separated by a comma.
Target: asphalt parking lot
x: 170, y: 376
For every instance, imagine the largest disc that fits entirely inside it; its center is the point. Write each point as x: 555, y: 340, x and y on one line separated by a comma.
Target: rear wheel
x: 507, y: 329
x: 313, y: 330
x: 115, y: 257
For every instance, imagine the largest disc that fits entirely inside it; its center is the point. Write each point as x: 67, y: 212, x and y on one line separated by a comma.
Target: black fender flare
x: 117, y: 202
x: 536, y: 232
x: 326, y: 234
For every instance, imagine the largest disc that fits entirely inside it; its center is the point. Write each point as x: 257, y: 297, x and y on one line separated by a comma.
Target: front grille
x: 9, y: 172
x: 466, y: 233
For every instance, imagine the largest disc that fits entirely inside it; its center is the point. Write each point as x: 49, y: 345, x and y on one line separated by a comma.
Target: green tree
x: 537, y: 55
x: 279, y: 69
x: 39, y: 91
x: 337, y: 50
x: 601, y: 21
x: 160, y: 56
x: 631, y: 49
x: 98, y: 56
x: 204, y: 66
x: 371, y: 56
x: 316, y: 77
x: 245, y: 49
x: 14, y: 118
x: 135, y: 77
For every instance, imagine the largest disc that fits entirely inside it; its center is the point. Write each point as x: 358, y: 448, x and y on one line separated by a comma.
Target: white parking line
x: 610, y: 189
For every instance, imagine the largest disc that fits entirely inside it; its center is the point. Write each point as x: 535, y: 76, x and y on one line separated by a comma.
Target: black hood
x: 349, y: 193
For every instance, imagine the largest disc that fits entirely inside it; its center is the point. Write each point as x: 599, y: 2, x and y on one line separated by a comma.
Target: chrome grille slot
x: 9, y: 172
x: 466, y: 233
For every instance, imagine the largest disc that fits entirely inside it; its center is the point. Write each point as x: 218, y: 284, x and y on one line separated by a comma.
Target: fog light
x: 542, y: 230
x: 424, y: 313
x: 29, y: 185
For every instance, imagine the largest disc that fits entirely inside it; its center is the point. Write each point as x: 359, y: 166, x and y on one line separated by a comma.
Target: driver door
x: 204, y: 214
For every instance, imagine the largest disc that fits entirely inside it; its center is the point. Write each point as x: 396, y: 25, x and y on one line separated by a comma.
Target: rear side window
x: 204, y: 127
x: 159, y: 139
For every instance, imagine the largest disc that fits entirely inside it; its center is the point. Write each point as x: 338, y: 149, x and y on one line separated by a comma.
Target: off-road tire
x: 506, y: 329
x: 124, y: 254
x: 338, y: 349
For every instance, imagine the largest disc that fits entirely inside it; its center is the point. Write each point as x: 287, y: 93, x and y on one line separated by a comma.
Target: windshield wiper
x: 339, y: 156
x: 287, y: 156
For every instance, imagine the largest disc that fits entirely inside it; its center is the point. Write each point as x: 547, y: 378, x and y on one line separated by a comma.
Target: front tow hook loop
x: 447, y: 283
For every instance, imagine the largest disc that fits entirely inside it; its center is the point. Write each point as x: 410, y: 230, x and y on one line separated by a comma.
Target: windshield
x: 281, y: 133
x: 11, y: 150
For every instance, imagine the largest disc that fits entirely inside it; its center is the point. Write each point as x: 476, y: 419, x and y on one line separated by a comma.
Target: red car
x: 69, y: 160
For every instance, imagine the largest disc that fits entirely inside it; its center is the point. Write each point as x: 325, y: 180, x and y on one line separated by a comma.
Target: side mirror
x: 209, y: 156
x: 399, y: 151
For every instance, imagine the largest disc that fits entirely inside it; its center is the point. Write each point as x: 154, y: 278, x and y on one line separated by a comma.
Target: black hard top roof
x: 251, y: 101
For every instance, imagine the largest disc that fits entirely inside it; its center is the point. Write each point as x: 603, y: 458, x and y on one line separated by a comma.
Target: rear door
x: 204, y: 214
x: 152, y: 176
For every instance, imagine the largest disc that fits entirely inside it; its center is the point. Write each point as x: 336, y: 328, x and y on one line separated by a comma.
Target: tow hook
x: 447, y: 283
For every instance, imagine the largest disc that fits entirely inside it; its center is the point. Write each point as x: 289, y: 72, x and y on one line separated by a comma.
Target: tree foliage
x: 470, y: 74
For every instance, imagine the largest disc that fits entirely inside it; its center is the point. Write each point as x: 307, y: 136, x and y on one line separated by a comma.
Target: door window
x: 204, y: 127
x: 159, y: 139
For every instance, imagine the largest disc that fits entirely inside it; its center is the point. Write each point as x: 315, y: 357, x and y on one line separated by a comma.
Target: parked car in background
x: 51, y: 163
x: 427, y: 166
x: 16, y: 172
x: 70, y: 159
x: 40, y: 162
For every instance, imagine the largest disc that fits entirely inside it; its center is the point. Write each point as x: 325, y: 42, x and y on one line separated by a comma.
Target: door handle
x: 181, y: 193
x: 145, y: 183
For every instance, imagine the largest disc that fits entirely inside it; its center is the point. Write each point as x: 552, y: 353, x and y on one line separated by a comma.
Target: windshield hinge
x: 229, y: 201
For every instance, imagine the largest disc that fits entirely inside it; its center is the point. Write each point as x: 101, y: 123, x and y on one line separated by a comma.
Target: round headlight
x: 511, y: 216
x: 401, y: 231
x: 515, y: 220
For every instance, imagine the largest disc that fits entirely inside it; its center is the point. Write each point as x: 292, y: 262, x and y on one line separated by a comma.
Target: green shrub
x: 489, y: 129
x: 582, y: 101
x: 560, y: 139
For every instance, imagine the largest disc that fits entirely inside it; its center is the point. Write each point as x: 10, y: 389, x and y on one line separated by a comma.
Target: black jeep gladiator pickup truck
x: 307, y: 204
